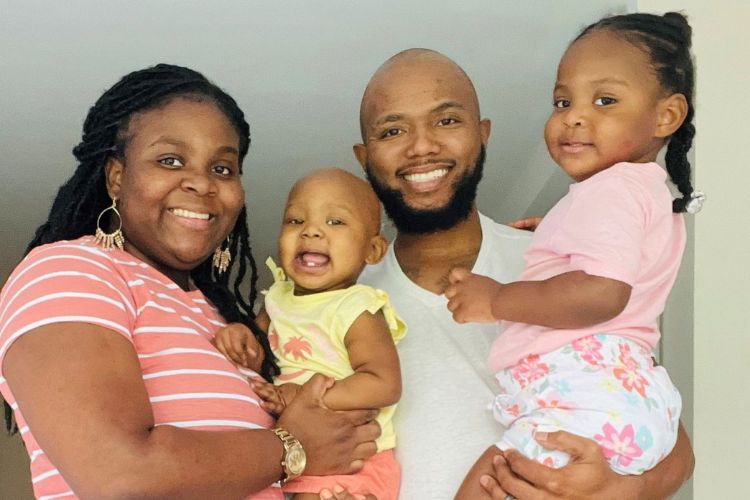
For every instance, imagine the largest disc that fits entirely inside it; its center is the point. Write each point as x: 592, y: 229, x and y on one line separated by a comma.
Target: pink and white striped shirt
x: 189, y: 383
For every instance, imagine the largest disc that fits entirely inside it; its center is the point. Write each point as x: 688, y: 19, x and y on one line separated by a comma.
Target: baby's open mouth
x: 312, y: 259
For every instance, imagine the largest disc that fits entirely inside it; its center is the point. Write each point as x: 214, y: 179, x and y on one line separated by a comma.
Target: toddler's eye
x: 561, y: 103
x: 171, y: 161
x: 334, y: 222
x: 604, y: 101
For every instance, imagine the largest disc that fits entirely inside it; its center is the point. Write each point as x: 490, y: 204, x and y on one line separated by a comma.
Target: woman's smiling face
x: 178, y: 184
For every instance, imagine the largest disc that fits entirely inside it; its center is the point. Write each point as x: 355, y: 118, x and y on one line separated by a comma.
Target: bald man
x: 423, y: 149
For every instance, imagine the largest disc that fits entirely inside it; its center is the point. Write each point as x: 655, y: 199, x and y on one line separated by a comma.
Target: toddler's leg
x: 470, y: 488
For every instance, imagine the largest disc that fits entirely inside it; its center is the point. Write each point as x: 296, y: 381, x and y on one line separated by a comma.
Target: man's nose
x: 424, y: 142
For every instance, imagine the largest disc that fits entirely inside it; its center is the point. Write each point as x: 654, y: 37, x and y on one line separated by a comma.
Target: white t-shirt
x: 443, y: 423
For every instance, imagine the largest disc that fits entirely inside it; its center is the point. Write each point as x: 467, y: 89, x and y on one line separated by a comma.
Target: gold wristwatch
x: 293, y: 460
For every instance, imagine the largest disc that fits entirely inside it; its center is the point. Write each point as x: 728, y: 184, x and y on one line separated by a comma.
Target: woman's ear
x: 672, y: 111
x: 113, y: 175
x: 378, y: 247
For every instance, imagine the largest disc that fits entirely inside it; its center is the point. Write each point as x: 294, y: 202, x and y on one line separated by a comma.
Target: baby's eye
x: 334, y: 221
x: 294, y: 220
x: 171, y: 161
x: 561, y: 103
x: 604, y: 101
x: 391, y: 132
x: 447, y: 121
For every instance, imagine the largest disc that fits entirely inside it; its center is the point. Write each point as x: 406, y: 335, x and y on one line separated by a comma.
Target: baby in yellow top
x: 319, y: 320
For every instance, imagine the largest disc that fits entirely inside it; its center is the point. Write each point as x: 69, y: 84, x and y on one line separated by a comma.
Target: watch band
x: 293, y: 459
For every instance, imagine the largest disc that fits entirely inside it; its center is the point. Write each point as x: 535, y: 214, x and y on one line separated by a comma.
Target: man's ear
x: 485, y: 127
x: 113, y: 174
x: 378, y: 247
x: 672, y: 111
x: 360, y: 151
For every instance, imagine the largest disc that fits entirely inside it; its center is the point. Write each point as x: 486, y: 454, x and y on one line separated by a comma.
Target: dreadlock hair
x: 81, y: 198
x: 666, y: 40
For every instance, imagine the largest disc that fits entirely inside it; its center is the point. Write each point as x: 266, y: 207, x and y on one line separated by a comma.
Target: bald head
x: 413, y: 71
x: 345, y: 188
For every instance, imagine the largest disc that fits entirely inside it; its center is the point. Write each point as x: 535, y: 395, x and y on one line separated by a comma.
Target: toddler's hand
x: 239, y: 345
x: 275, y: 397
x: 470, y: 296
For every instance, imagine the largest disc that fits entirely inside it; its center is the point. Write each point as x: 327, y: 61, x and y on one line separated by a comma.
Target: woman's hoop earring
x: 109, y: 240
x: 222, y: 258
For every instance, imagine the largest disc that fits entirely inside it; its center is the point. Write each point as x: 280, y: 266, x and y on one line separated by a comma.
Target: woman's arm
x: 376, y: 381
x: 81, y: 392
x: 587, y: 475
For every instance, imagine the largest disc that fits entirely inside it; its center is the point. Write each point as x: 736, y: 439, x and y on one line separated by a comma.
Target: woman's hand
x: 586, y: 476
x: 335, y: 442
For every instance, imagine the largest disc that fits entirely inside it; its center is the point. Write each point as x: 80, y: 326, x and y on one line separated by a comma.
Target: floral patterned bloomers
x: 603, y: 387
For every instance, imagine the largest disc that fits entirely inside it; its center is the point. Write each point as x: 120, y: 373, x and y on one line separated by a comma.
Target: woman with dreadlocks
x: 106, y: 358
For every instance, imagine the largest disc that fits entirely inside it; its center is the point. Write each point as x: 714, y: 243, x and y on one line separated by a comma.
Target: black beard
x: 420, y: 221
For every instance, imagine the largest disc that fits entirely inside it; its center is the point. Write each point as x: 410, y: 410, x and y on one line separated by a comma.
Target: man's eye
x: 604, y: 101
x: 447, y: 121
x: 171, y: 161
x: 334, y: 222
x: 561, y: 103
x: 391, y: 132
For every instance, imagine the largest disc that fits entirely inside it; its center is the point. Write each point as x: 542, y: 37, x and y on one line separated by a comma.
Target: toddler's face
x: 606, y: 102
x: 326, y: 235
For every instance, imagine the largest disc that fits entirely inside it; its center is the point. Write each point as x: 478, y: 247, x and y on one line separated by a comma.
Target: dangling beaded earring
x: 109, y: 240
x: 222, y: 258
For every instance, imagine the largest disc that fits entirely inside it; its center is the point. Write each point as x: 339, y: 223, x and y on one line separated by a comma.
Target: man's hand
x: 239, y: 345
x: 586, y: 476
x: 528, y: 224
x: 470, y: 296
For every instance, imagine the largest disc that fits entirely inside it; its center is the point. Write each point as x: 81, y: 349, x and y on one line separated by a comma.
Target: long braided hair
x: 666, y: 40
x: 81, y: 198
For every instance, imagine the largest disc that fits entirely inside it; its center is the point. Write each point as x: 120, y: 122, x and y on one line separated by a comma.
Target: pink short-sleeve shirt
x: 617, y: 224
x: 189, y: 383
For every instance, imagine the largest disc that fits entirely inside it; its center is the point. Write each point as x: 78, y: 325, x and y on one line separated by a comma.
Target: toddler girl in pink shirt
x: 580, y: 325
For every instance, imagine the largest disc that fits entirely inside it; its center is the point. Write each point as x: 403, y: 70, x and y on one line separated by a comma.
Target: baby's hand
x: 275, y: 397
x: 239, y: 345
x: 470, y: 296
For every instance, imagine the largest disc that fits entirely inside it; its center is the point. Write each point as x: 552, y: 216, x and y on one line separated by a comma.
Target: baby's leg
x: 470, y: 488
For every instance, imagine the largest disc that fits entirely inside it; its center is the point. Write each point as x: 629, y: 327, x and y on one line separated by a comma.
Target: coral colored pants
x: 381, y: 476
x: 602, y: 387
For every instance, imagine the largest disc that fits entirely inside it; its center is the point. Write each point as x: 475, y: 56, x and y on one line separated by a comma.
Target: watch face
x: 296, y: 460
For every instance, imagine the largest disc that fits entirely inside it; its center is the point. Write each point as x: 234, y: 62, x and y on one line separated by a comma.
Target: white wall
x: 721, y: 317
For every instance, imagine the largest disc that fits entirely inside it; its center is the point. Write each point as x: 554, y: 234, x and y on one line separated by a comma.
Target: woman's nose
x: 199, y: 183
